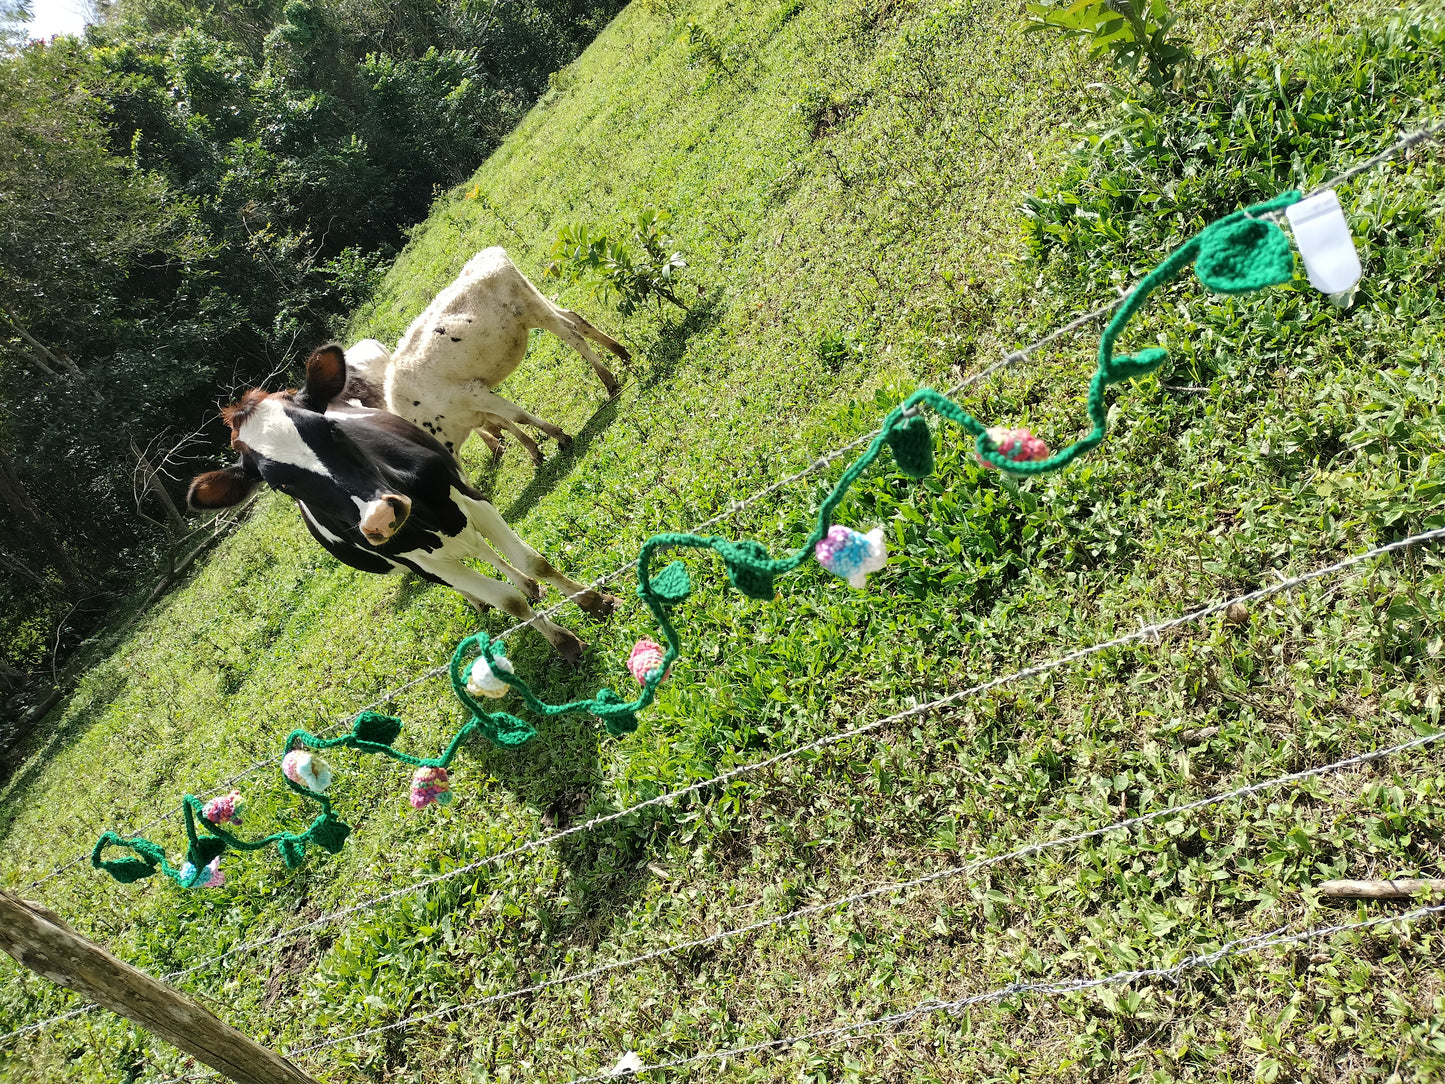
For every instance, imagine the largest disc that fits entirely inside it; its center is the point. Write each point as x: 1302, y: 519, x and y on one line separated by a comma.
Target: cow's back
x: 475, y: 329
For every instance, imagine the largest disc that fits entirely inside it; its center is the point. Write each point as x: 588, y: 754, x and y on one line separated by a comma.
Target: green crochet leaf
x: 745, y: 561
x: 128, y: 870
x: 1243, y: 255
x: 204, y: 849
x: 330, y: 833
x: 504, y: 729
x: 375, y: 728
x: 670, y: 586
x: 616, y: 714
x: 912, y: 444
x: 293, y: 852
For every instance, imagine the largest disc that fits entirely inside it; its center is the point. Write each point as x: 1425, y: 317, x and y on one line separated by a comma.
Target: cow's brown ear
x: 222, y: 488
x: 325, y: 377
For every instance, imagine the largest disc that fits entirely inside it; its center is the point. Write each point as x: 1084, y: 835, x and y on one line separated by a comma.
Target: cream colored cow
x: 468, y: 340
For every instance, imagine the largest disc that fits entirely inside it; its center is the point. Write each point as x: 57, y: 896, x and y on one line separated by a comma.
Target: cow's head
x: 329, y: 464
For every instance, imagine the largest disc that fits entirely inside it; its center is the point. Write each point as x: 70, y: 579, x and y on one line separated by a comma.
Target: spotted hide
x: 467, y: 341
x: 380, y: 494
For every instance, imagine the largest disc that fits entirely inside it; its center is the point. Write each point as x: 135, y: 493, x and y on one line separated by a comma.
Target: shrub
x: 1133, y: 30
x: 633, y: 274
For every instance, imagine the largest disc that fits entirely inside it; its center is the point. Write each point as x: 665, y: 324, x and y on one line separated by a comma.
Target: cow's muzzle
x: 383, y: 517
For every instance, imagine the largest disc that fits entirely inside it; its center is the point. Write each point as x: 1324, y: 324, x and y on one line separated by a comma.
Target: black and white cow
x: 380, y: 494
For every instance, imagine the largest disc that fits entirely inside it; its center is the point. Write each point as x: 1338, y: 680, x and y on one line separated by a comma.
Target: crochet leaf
x: 1237, y: 256
x: 912, y: 445
x: 670, y: 586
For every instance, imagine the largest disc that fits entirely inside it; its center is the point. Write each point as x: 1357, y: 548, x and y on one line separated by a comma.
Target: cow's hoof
x: 537, y: 458
x: 613, y: 387
x: 599, y: 603
x: 532, y: 589
x: 569, y: 647
x: 564, y: 441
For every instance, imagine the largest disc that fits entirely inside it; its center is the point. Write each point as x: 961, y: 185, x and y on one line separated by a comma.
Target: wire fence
x: 1403, y: 143
x: 967, y: 869
x: 1400, y: 145
x: 1144, y: 634
x: 1056, y: 990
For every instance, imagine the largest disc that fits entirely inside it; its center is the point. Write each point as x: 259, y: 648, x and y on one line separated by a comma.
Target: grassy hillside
x: 872, y: 195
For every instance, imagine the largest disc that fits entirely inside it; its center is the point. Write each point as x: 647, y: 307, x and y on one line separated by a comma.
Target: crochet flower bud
x: 482, y: 680
x: 227, y: 809
x: 1020, y: 445
x: 430, y: 785
x: 211, y: 875
x: 645, y: 658
x: 306, y: 770
x: 846, y: 553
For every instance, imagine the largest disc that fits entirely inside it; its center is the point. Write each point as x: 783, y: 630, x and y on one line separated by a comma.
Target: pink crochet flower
x: 430, y: 785
x: 645, y: 658
x: 227, y: 809
x: 1020, y: 445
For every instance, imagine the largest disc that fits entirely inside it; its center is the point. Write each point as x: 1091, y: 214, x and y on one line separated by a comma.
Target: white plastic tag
x: 1325, y: 242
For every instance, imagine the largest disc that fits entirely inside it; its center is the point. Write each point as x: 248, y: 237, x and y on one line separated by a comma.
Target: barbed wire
x: 1058, y: 990
x: 1145, y: 633
x: 967, y: 869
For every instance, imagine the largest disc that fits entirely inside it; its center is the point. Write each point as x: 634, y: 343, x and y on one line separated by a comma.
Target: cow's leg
x: 484, y: 591
x: 570, y: 328
x: 524, y: 583
x: 523, y: 439
x: 489, y: 522
x: 484, y: 401
x: 492, y: 438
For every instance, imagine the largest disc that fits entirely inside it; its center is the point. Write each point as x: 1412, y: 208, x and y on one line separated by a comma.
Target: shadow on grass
x: 559, y: 775
x: 550, y: 473
x: 667, y: 353
x: 21, y: 779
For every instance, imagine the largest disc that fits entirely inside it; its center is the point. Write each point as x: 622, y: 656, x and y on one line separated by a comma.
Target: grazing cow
x: 380, y: 494
x: 467, y: 341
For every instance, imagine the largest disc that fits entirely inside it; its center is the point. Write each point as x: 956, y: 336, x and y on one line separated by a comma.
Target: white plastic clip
x: 1325, y: 242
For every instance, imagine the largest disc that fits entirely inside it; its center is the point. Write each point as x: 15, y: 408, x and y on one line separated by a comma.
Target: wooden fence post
x: 43, y: 943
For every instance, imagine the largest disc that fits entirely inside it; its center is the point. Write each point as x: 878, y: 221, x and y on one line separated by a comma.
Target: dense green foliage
x: 849, y: 199
x: 195, y: 193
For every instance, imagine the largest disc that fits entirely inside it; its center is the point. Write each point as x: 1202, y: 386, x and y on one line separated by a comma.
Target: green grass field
x: 872, y: 195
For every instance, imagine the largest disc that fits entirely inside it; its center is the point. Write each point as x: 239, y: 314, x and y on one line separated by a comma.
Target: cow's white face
x: 268, y: 431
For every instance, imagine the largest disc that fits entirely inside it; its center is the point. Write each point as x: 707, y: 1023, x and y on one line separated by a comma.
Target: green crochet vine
x: 1235, y: 255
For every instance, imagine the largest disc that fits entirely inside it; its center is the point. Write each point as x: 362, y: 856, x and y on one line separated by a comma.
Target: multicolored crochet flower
x: 482, y: 680
x: 211, y: 875
x: 846, y: 553
x: 227, y: 809
x: 646, y: 657
x: 1020, y: 445
x: 430, y: 785
x: 307, y: 770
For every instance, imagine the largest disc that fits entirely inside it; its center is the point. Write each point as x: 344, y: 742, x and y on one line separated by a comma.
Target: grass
x: 872, y: 195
